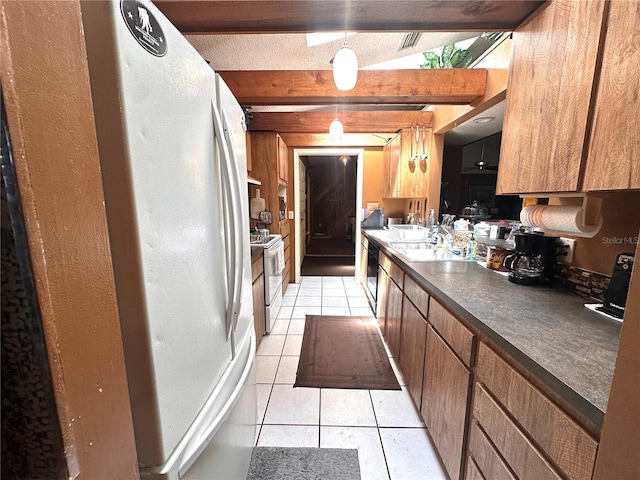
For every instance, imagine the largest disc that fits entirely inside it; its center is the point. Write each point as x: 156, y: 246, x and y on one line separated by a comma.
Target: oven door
x: 273, y: 266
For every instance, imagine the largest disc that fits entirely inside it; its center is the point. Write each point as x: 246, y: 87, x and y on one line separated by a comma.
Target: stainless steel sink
x: 424, y: 252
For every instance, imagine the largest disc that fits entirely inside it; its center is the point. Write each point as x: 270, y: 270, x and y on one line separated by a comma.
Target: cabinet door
x: 612, y: 163
x: 258, y: 307
x: 551, y: 78
x: 414, y: 176
x: 283, y: 162
x: 364, y: 260
x: 394, y: 318
x: 412, y: 349
x: 391, y: 161
x: 445, y: 399
x: 381, y: 299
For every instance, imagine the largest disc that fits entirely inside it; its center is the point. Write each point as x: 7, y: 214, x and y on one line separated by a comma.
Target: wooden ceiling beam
x: 453, y: 86
x: 352, y: 121
x: 348, y: 140
x: 299, y: 16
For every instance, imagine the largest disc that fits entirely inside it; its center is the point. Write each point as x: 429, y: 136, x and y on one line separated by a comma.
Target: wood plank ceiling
x: 375, y: 89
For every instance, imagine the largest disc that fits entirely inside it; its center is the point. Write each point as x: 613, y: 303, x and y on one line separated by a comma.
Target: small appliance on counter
x: 375, y: 219
x: 615, y: 297
x: 534, y: 260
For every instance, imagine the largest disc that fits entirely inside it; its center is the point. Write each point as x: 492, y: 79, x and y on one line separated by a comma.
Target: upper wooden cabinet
x: 283, y: 161
x: 402, y: 177
x: 614, y: 151
x: 267, y: 150
x: 569, y: 127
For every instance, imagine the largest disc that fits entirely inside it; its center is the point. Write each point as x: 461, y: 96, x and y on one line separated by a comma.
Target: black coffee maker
x: 534, y: 261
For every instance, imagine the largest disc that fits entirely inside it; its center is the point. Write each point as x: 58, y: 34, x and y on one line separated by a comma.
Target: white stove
x: 273, y: 266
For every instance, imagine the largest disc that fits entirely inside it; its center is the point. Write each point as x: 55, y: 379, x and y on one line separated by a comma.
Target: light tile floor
x: 383, y: 425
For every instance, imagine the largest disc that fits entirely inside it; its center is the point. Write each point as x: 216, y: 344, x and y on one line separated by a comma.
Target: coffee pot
x: 534, y: 260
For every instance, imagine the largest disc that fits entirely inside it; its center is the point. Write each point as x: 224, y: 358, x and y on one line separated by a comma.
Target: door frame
x: 325, y: 152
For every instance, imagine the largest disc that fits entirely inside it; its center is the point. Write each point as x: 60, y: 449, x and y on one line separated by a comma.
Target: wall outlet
x: 564, y: 249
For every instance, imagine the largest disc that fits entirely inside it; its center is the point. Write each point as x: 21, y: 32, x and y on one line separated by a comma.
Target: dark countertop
x: 548, y: 331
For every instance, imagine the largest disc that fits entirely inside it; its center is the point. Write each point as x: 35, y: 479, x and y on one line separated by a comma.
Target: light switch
x: 291, y: 212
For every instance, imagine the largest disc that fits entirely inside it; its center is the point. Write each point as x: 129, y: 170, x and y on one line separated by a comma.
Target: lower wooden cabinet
x: 473, y: 472
x: 413, y: 338
x: 259, y: 314
x: 445, y: 400
x: 512, y: 430
x: 381, y: 300
x: 393, y: 317
x: 484, y: 459
x: 536, y: 438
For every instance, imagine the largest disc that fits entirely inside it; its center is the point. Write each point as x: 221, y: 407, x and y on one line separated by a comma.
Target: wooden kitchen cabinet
x: 534, y: 436
x: 445, y: 400
x: 393, y: 316
x: 413, y: 337
x: 283, y: 161
x: 483, y: 458
x: 267, y: 150
x: 259, y: 315
x: 402, y: 178
x: 285, y: 229
x: 551, y: 80
x: 614, y: 149
x: 381, y: 300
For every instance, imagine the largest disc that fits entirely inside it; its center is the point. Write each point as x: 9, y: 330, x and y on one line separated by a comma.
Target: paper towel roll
x: 559, y: 218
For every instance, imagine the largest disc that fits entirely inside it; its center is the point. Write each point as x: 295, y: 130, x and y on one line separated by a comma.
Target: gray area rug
x: 344, y: 352
x: 278, y: 463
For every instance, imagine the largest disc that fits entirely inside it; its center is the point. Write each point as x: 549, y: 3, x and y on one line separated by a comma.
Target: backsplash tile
x: 583, y: 282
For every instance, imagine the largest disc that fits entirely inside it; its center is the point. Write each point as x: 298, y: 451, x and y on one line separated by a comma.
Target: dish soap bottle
x: 471, y: 248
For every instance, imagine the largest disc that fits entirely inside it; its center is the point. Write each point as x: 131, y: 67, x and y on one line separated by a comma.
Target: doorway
x: 327, y: 191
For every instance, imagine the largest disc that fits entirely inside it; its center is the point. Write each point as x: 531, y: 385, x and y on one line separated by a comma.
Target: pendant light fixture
x: 345, y: 67
x: 335, y: 129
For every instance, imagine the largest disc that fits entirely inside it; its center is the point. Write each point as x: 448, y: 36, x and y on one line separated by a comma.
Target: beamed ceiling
x: 296, y: 99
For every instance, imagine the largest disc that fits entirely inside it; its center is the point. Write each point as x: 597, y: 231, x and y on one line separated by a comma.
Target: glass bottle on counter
x: 471, y: 248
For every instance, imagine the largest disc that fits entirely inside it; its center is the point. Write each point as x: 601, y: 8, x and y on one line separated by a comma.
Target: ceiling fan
x: 481, y: 164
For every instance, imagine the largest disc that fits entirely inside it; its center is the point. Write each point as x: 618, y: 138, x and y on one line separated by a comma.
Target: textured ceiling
x: 290, y: 52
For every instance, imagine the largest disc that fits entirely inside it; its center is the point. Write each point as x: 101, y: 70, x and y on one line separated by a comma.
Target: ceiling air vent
x: 410, y: 40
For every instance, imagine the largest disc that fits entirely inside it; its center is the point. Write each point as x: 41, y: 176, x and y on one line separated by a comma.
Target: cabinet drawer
x: 457, y: 335
x: 392, y: 269
x: 486, y: 459
x: 417, y: 295
x: 285, y: 241
x: 473, y: 472
x: 562, y: 439
x: 523, y: 457
x: 257, y: 267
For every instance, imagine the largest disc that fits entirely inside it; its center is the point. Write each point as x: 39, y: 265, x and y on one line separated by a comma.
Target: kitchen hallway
x: 383, y: 425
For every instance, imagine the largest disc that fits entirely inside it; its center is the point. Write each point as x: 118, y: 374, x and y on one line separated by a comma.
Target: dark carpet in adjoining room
x: 328, y: 266
x: 331, y: 246
x: 344, y: 352
x: 278, y: 463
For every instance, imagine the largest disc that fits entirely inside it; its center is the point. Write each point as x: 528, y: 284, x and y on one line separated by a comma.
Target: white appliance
x: 273, y: 257
x: 173, y: 156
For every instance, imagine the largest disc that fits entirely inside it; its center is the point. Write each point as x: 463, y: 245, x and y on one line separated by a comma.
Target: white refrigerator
x: 173, y: 157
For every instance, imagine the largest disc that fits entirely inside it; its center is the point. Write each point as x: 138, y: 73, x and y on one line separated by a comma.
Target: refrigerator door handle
x: 236, y: 210
x: 232, y: 262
